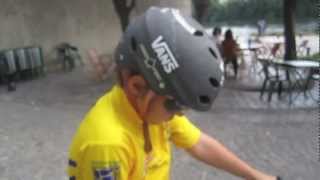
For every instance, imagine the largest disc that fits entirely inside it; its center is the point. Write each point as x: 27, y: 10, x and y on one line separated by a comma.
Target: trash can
x: 3, y: 65
x: 8, y: 68
x: 23, y: 63
x: 10, y: 61
x: 35, y: 56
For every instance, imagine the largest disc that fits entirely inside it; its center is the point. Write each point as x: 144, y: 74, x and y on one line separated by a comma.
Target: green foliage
x: 250, y: 11
x: 314, y: 57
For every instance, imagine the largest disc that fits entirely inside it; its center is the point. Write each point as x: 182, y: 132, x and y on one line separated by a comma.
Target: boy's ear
x: 138, y: 89
x: 137, y: 86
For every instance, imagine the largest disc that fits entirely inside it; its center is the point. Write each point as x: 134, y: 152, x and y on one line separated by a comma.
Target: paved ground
x: 38, y: 120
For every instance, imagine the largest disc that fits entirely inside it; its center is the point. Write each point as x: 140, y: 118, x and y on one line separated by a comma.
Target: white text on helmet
x: 165, y: 55
x: 151, y: 64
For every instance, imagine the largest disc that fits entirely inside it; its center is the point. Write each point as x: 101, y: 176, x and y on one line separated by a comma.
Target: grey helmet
x: 175, y: 56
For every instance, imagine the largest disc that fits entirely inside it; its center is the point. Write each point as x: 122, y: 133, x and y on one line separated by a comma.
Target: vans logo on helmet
x: 164, y: 55
x: 150, y: 63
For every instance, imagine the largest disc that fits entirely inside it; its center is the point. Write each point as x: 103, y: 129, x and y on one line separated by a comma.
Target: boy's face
x: 157, y: 111
x: 150, y: 106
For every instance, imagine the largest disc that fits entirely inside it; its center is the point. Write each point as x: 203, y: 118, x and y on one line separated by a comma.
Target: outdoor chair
x: 102, y: 65
x: 313, y: 80
x: 276, y: 51
x: 68, y: 54
x: 295, y: 77
x: 256, y: 69
x: 273, y: 79
x: 304, y: 49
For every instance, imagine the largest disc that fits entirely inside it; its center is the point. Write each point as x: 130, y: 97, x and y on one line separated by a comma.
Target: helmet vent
x: 198, y: 33
x: 133, y: 44
x: 213, y: 53
x: 214, y: 82
x: 204, y: 99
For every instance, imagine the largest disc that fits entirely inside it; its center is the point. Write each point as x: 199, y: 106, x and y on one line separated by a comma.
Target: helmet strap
x: 146, y: 136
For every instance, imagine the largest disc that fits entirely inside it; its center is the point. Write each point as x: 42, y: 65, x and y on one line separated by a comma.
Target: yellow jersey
x: 109, y: 144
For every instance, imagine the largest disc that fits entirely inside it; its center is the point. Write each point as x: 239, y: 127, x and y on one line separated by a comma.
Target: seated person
x: 216, y: 34
x: 229, y: 51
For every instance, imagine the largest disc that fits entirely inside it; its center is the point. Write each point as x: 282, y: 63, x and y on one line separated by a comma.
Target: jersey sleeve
x: 103, y: 162
x: 183, y: 133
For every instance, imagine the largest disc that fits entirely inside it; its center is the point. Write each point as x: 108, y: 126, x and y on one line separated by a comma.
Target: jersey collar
x: 123, y: 106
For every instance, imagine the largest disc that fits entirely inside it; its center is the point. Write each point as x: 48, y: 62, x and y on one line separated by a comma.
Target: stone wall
x: 84, y: 23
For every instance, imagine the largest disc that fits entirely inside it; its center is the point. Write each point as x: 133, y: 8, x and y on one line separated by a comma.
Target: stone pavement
x: 38, y: 120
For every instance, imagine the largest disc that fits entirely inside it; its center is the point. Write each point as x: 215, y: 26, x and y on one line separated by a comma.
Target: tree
x: 200, y: 9
x: 289, y: 30
x: 123, y: 9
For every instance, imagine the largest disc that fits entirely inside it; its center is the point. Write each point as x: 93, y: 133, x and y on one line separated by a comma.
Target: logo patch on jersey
x: 106, y: 170
x: 164, y: 54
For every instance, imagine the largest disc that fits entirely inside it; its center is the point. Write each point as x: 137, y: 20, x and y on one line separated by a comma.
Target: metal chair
x: 272, y: 78
x: 304, y: 48
x: 313, y: 79
x: 68, y: 54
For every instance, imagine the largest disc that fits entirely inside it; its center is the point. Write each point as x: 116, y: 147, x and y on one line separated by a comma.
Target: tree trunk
x: 124, y: 20
x: 123, y: 10
x: 289, y: 30
x: 200, y: 8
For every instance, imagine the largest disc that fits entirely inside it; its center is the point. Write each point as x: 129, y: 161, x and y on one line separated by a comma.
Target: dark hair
x: 216, y: 31
x: 228, y: 34
x: 132, y: 70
